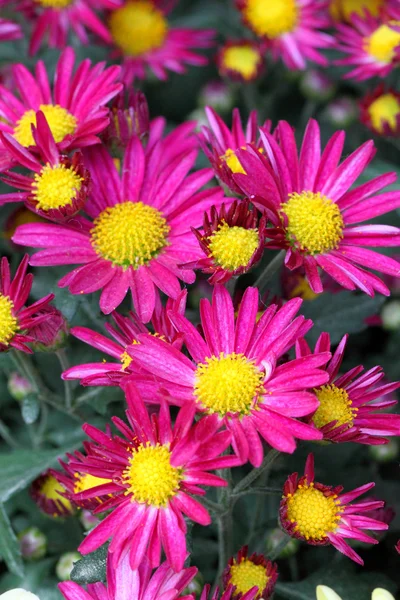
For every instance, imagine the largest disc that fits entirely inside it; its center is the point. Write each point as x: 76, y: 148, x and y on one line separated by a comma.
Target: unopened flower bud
x: 18, y: 594
x: 218, y: 95
x: 50, y: 335
x: 195, y: 587
x: 88, y: 520
x: 342, y: 112
x: 386, y: 452
x: 315, y: 85
x: 390, y: 315
x: 276, y: 538
x: 66, y: 564
x: 33, y: 543
x: 18, y: 387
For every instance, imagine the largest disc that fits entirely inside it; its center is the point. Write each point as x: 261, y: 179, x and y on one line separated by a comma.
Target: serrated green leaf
x: 91, y: 568
x: 340, y: 313
x: 20, y: 467
x: 9, y: 547
x: 30, y: 409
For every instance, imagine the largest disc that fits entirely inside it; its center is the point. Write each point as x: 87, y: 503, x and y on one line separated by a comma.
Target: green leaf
x: 340, y: 313
x: 344, y: 579
x: 20, y: 467
x: 9, y: 546
x: 30, y: 409
x: 91, y: 568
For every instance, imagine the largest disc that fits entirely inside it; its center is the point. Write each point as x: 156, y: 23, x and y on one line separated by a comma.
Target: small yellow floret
x: 303, y: 290
x: 138, y: 27
x: 233, y: 162
x: 228, y: 384
x: 51, y: 489
x: 271, y: 18
x: 384, y: 110
x: 60, y: 121
x: 57, y: 4
x: 382, y: 42
x: 335, y: 405
x: 86, y: 482
x: 129, y: 234
x: 8, y: 322
x: 151, y: 478
x: 341, y: 10
x: 233, y: 247
x: 56, y: 187
x: 315, y: 223
x: 244, y: 60
x: 315, y: 514
x: 246, y: 575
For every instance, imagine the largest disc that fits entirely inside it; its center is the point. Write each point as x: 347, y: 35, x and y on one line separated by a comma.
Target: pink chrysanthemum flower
x: 318, y: 214
x: 140, y: 584
x: 293, y: 28
x: 246, y: 572
x: 342, y: 10
x: 9, y: 30
x: 129, y: 115
x: 139, y: 228
x: 372, y: 45
x: 156, y: 471
x: 125, y: 333
x: 17, y: 321
x: 241, y: 60
x: 143, y: 37
x: 234, y: 373
x: 227, y: 594
x: 380, y: 111
x: 350, y: 404
x: 232, y: 241
x: 75, y: 110
x: 321, y: 515
x: 220, y: 143
x: 57, y: 186
x: 54, y: 19
x: 49, y: 495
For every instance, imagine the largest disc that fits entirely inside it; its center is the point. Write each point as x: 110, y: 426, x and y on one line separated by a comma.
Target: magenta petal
x: 173, y: 538
x: 193, y: 509
x: 91, y: 277
x: 115, y: 291
x: 143, y: 293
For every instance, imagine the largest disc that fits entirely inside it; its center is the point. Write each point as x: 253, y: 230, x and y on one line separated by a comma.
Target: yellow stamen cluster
x: 244, y: 60
x: 125, y: 360
x: 233, y: 162
x: 57, y: 4
x: 341, y: 10
x: 60, y: 121
x: 129, y: 234
x: 56, y: 187
x: 233, y: 247
x: 271, y: 19
x: 246, y: 575
x: 151, y: 478
x: 138, y: 27
x: 86, y: 482
x: 315, y: 514
x: 8, y: 322
x: 384, y: 110
x: 382, y: 42
x: 315, y: 224
x: 51, y: 489
x: 229, y: 383
x: 334, y: 405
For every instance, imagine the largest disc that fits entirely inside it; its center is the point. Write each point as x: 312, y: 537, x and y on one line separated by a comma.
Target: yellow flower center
x: 58, y: 4
x: 129, y: 234
x: 315, y: 223
x: 151, y: 477
x: 246, y: 575
x: 382, y: 43
x: 334, y: 405
x: 303, y: 290
x: 315, y: 514
x: 125, y: 360
x: 233, y: 162
x: 51, y: 489
x: 87, y: 482
x: 60, y: 121
x: 233, y: 247
x: 56, y: 187
x: 384, y: 109
x: 242, y: 59
x: 228, y: 384
x: 271, y: 18
x: 343, y: 9
x: 8, y: 323
x: 138, y: 27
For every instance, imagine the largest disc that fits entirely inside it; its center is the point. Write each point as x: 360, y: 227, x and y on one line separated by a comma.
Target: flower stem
x: 64, y: 363
x: 266, y: 465
x: 270, y: 270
